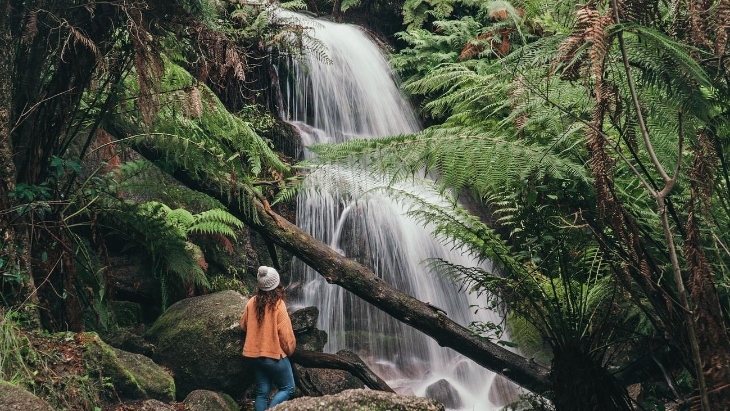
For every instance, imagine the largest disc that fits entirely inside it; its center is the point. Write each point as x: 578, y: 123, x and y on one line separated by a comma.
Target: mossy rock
x: 200, y: 341
x: 204, y: 400
x: 14, y: 398
x: 133, y: 376
x: 360, y: 400
x: 313, y: 340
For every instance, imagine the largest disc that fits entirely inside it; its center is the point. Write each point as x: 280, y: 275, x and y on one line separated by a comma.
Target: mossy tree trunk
x: 14, y: 236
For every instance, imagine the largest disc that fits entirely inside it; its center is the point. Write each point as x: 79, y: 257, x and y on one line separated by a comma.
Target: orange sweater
x: 273, y: 337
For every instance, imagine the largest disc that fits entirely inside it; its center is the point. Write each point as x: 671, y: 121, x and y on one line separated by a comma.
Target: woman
x: 269, y: 340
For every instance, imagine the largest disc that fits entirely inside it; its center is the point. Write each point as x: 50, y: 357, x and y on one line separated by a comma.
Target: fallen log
x: 314, y: 359
x: 363, y: 282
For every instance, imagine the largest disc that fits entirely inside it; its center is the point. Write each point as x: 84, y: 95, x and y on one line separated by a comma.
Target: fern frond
x: 457, y: 158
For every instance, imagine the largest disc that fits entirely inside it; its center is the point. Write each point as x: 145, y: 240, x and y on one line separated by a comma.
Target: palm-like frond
x: 457, y: 157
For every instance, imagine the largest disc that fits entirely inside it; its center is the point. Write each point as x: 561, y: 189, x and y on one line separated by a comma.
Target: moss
x: 133, y: 376
x: 195, y: 338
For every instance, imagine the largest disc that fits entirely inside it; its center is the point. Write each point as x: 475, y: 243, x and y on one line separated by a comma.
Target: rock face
x: 445, y: 393
x: 360, y: 400
x: 199, y: 340
x: 202, y: 400
x: 134, y: 376
x: 304, y: 319
x: 13, y: 398
x: 308, y: 337
x: 312, y: 340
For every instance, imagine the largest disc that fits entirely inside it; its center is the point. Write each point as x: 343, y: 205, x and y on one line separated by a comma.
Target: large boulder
x: 134, y: 376
x: 14, y: 398
x: 203, y: 400
x: 312, y: 340
x: 445, y: 393
x: 303, y: 322
x: 200, y: 341
x: 303, y: 319
x: 360, y: 400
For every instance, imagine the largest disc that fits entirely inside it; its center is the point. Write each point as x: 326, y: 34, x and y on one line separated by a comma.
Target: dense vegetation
x: 593, y: 135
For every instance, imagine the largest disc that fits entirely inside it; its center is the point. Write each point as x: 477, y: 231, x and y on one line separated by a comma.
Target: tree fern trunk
x: 14, y: 237
x: 580, y: 383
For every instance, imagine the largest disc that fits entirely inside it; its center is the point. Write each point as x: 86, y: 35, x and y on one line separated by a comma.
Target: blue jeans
x: 267, y: 371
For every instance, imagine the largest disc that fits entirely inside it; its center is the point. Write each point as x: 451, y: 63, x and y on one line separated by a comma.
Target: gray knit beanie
x: 268, y: 278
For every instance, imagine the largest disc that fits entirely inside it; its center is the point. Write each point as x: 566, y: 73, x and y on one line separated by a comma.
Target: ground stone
x: 14, y: 398
x: 203, y: 400
x: 360, y: 400
x: 155, y: 405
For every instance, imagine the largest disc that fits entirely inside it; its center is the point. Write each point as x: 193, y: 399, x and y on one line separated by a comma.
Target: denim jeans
x: 267, y: 371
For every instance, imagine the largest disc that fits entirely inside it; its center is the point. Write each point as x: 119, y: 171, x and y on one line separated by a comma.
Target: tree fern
x: 457, y: 158
x: 195, y: 131
x: 165, y: 235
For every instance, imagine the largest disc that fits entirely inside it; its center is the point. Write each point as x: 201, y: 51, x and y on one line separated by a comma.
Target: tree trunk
x: 363, y: 282
x: 14, y: 235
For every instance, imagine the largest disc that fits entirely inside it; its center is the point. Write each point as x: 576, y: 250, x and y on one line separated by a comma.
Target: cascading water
x: 352, y: 94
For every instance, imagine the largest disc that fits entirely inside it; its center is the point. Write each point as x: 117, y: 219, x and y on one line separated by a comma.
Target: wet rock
x: 134, y: 376
x: 503, y: 392
x: 14, y: 398
x: 445, y: 393
x: 324, y: 381
x: 304, y: 319
x: 203, y: 400
x: 313, y: 340
x: 200, y: 341
x: 360, y: 400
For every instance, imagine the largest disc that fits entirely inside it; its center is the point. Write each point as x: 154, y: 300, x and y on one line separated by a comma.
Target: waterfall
x: 353, y: 94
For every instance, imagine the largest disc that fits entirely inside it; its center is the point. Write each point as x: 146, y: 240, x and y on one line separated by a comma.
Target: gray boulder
x: 304, y: 319
x: 14, y: 398
x: 360, y: 400
x: 445, y: 393
x: 308, y: 337
x: 199, y: 340
x: 134, y: 376
x: 203, y: 400
x: 312, y: 340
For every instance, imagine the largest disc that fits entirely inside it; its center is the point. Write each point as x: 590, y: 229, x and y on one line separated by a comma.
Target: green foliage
x: 546, y: 135
x: 275, y: 27
x: 165, y: 233
x: 459, y: 157
x: 193, y: 130
x: 222, y: 283
x: 13, y: 347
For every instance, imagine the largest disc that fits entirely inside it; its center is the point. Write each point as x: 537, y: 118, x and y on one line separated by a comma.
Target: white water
x: 355, y: 96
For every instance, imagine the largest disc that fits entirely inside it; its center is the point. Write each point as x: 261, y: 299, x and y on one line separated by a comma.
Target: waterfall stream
x: 353, y: 94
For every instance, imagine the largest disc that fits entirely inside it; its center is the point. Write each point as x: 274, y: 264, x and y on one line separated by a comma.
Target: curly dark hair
x: 266, y: 299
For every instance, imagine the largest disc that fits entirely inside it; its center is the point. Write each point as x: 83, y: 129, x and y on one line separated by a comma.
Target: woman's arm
x: 284, y: 328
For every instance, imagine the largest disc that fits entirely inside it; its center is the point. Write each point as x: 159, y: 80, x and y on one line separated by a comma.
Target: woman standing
x: 269, y: 340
